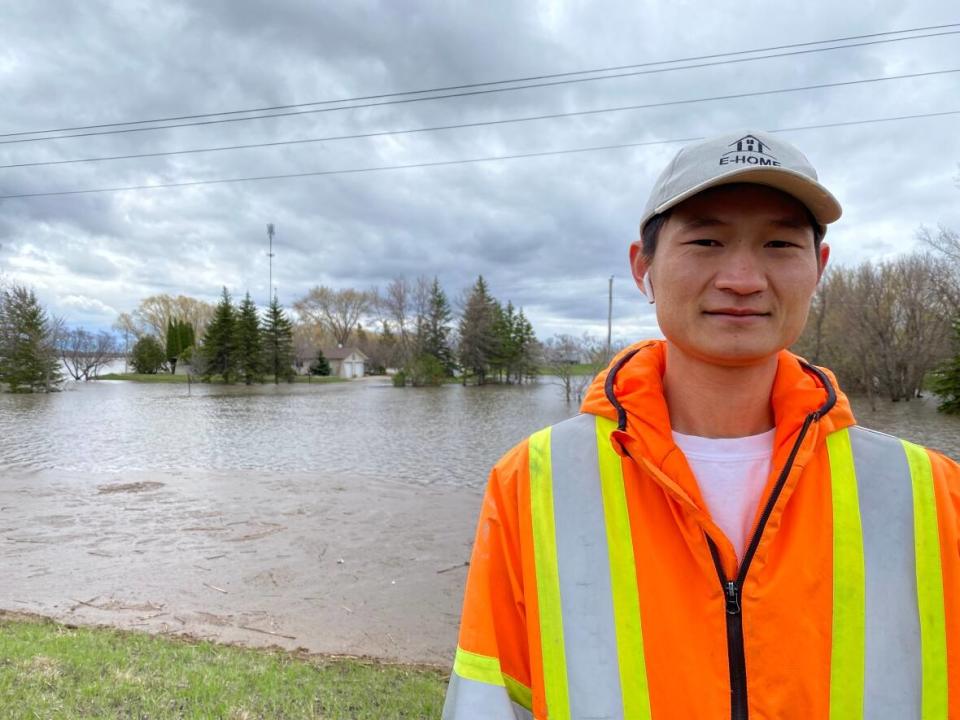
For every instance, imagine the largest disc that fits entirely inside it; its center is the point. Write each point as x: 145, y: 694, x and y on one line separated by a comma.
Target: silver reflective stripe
x: 593, y: 672
x: 892, y: 673
x: 472, y: 700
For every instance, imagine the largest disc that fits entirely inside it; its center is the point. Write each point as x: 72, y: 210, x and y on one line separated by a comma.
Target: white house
x: 346, y: 362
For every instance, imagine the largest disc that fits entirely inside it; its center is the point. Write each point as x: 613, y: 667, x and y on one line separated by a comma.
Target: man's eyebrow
x: 702, y: 222
x: 795, y: 223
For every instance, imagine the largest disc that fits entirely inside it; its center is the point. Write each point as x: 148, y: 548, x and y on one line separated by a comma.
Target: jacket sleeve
x: 946, y: 480
x: 491, y: 672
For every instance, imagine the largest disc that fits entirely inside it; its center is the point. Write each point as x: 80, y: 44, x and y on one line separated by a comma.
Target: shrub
x: 148, y: 356
x: 425, y: 370
x: 320, y: 366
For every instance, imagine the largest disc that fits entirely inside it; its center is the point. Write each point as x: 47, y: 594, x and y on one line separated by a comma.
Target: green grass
x: 137, y: 377
x: 216, y: 379
x: 49, y: 670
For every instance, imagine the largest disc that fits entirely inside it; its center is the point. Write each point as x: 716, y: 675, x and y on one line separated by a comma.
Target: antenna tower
x: 270, y: 232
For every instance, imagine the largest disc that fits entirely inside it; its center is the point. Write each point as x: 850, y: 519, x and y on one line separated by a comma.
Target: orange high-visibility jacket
x: 599, y: 586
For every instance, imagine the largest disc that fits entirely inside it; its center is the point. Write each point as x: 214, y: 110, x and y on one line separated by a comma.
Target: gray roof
x: 342, y: 353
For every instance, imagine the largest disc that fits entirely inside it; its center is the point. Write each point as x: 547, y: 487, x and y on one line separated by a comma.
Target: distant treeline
x: 892, y: 328
x: 409, y: 328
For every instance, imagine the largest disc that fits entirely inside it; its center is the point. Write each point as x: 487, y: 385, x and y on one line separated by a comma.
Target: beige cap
x: 742, y: 157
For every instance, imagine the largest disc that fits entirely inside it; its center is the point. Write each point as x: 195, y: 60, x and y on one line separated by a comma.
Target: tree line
x: 236, y: 344
x: 890, y: 328
x: 416, y: 331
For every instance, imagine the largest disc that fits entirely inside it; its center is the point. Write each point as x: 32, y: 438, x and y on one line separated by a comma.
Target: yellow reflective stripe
x: 548, y: 577
x: 486, y: 669
x: 481, y: 668
x: 933, y: 633
x: 849, y: 585
x: 623, y: 578
x: 518, y: 692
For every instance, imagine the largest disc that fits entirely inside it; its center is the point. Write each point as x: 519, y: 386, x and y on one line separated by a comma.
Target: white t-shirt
x: 731, y: 473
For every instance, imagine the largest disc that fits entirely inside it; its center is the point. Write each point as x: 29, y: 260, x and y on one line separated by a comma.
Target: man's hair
x: 651, y: 231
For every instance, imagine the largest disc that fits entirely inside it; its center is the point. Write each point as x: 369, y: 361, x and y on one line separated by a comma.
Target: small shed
x: 346, y: 362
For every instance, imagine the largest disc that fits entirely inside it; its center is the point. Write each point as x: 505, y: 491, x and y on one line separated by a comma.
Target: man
x: 714, y: 536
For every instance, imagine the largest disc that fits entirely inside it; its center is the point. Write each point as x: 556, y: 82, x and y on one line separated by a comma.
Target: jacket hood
x: 634, y: 379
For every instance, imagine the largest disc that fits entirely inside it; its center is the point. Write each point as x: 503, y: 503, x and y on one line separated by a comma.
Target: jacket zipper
x: 732, y: 589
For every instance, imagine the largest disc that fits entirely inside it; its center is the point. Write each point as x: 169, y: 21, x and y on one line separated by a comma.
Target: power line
x: 463, y: 161
x: 483, y: 123
x: 407, y: 100
x: 489, y: 83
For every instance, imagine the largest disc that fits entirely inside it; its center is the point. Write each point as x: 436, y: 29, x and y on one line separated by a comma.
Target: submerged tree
x: 84, y: 353
x: 220, y: 341
x: 478, y: 339
x: 28, y: 343
x: 435, y: 330
x: 250, y: 356
x: 278, y: 343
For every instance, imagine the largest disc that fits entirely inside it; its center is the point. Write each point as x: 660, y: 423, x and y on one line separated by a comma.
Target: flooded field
x: 332, y: 517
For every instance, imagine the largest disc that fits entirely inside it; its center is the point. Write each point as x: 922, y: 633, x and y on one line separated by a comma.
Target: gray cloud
x: 545, y: 232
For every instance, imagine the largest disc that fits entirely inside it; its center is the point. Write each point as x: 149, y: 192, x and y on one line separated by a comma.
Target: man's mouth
x: 736, y: 312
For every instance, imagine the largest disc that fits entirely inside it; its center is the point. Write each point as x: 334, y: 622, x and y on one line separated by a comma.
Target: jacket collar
x: 634, y: 382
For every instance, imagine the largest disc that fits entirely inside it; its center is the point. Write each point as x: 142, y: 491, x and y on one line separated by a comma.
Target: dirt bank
x: 328, y: 564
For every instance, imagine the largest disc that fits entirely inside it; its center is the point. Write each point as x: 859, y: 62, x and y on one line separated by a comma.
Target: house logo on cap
x: 749, y: 150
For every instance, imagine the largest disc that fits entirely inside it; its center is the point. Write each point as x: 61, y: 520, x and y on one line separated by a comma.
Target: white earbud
x: 648, y: 288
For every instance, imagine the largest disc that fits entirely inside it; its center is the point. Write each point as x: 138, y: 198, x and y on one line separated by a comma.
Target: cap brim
x: 820, y: 201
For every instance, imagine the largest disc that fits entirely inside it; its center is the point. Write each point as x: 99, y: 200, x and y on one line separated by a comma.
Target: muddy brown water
x: 336, y: 518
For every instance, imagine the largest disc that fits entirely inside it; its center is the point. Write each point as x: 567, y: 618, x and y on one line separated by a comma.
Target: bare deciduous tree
x: 308, y: 339
x: 155, y: 313
x: 881, y: 326
x: 84, y: 353
x: 564, y: 357
x: 337, y: 311
x: 396, y: 308
x: 946, y: 245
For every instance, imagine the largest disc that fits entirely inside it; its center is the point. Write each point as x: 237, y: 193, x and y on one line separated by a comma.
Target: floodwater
x: 448, y: 435
x: 337, y: 518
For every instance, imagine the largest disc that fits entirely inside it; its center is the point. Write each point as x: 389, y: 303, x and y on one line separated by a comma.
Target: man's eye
x: 781, y: 244
x: 704, y: 242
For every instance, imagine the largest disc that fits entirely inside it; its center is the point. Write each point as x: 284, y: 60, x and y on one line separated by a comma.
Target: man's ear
x: 640, y: 269
x: 822, y: 258
x: 638, y: 266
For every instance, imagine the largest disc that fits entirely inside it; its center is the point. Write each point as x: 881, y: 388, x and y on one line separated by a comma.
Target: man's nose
x: 741, y: 272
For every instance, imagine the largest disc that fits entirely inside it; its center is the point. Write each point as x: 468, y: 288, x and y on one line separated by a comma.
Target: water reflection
x: 450, y: 434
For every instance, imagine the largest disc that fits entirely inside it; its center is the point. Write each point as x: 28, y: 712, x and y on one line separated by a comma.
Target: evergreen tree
x: 250, y: 359
x: 220, y: 341
x: 528, y: 348
x: 947, y: 379
x: 515, y: 355
x: 320, y: 366
x: 28, y: 343
x: 278, y: 343
x: 180, y: 339
x: 436, y: 329
x: 478, y: 340
x: 147, y: 356
x: 505, y: 353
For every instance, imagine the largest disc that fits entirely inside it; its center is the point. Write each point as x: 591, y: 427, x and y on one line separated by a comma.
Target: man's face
x: 733, y: 274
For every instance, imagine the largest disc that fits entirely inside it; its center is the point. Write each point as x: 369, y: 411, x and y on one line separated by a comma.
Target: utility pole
x: 270, y: 231
x: 609, y: 318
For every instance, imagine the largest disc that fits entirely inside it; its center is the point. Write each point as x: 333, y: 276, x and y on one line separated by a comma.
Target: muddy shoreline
x: 328, y: 565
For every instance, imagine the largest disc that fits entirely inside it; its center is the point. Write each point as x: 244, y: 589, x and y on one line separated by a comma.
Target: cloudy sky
x: 546, y: 232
